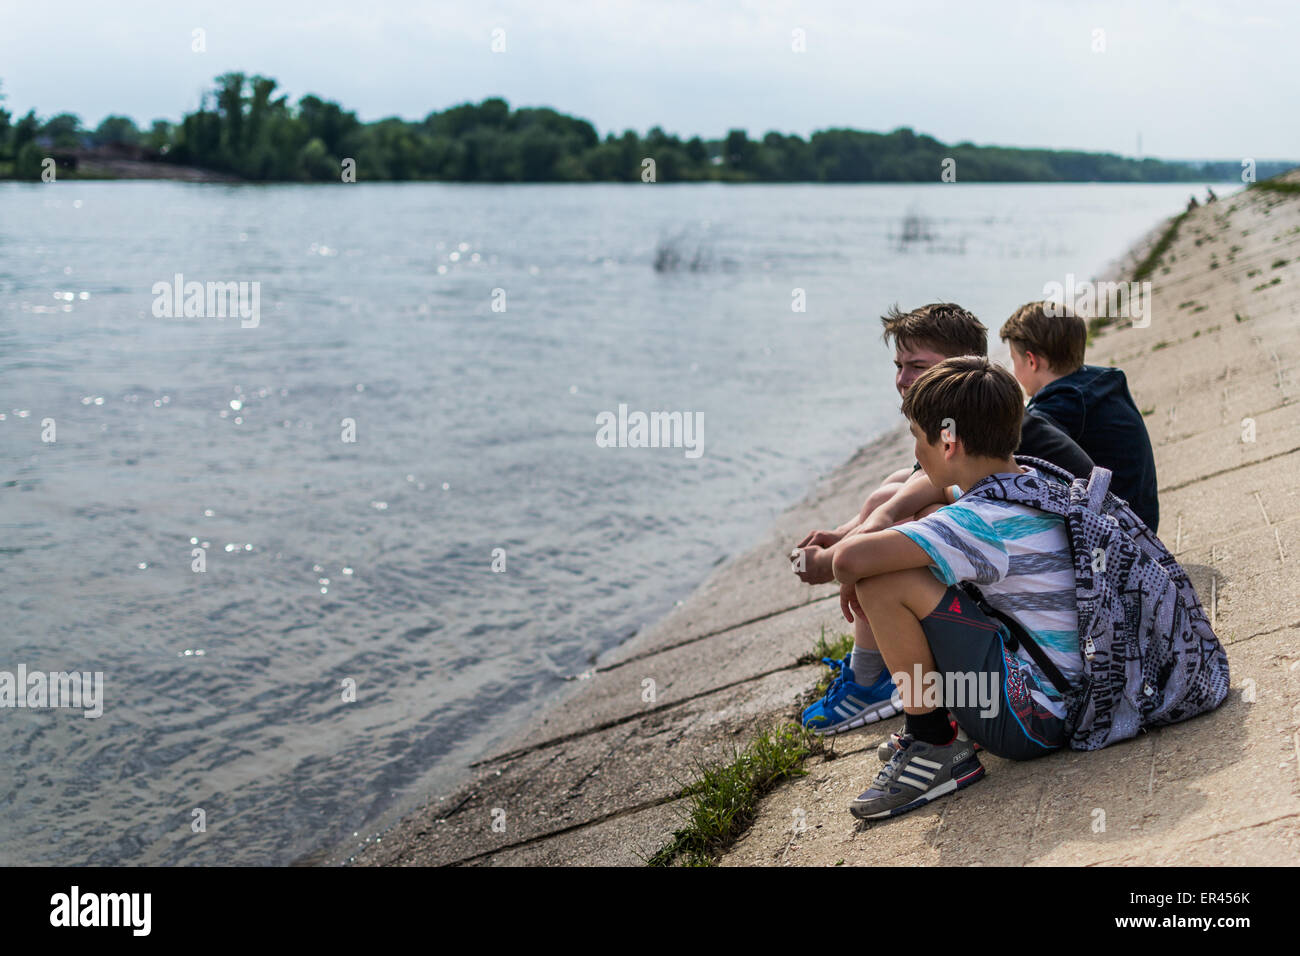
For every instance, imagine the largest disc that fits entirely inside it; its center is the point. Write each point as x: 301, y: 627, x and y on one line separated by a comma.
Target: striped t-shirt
x: 1019, y: 557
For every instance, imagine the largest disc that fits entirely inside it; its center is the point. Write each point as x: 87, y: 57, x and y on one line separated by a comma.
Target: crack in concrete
x: 1242, y: 640
x: 1226, y: 471
x: 627, y: 718
x: 538, y: 838
x: 1212, y: 836
x: 700, y: 637
x: 1285, y: 522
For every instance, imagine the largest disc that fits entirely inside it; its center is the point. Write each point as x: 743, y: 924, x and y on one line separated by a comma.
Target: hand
x: 821, y: 539
x: 812, y: 565
x: 849, y: 605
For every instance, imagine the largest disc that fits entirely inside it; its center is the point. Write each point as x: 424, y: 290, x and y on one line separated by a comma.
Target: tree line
x: 243, y: 128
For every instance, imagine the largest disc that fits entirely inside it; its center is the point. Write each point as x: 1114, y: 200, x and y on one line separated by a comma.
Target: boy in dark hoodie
x: 1091, y: 404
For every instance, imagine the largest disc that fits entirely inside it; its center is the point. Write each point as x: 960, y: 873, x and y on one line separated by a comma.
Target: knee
x: 880, y: 590
x: 914, y: 588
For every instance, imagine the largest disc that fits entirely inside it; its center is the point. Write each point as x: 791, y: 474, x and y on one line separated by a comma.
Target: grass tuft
x: 1148, y: 265
x: 724, y: 797
x: 835, y: 649
x: 1274, y: 186
x: 1096, y: 324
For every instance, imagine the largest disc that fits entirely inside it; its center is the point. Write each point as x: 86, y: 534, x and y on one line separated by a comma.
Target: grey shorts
x: 1004, y: 718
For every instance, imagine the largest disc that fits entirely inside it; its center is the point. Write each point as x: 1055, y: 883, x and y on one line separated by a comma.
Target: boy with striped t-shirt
x: 944, y: 653
x: 1020, y: 559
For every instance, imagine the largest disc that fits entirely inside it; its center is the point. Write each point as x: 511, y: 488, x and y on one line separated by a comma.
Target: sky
x: 1193, y: 79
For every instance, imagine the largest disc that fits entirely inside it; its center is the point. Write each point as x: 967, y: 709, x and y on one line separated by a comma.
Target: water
x: 332, y: 564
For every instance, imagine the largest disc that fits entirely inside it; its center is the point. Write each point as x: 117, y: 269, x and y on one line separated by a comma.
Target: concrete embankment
x: 594, y: 780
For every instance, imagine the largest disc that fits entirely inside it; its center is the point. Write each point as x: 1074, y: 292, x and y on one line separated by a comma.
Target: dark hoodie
x: 1093, y: 406
x: 1040, y: 438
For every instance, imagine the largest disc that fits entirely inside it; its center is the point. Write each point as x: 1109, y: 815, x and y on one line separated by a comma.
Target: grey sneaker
x: 889, y: 747
x: 916, y: 774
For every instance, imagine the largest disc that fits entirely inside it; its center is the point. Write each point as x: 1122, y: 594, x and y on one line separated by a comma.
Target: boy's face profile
x: 1028, y: 370
x: 911, y: 361
x: 936, y: 459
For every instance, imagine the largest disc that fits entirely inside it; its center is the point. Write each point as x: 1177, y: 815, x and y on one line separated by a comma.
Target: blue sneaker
x: 848, y: 705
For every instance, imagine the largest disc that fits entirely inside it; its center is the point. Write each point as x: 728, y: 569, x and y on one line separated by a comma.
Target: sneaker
x: 916, y: 774
x: 848, y: 705
x: 890, y: 746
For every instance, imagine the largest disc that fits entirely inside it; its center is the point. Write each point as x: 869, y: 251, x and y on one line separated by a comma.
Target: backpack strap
x: 1018, y: 636
x: 1098, y: 485
x: 1045, y: 495
x: 1045, y: 467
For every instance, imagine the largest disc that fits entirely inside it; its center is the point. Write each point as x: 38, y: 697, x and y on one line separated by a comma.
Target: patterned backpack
x: 1149, y: 655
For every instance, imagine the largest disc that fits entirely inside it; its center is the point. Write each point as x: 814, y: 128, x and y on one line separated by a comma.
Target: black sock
x: 931, y: 727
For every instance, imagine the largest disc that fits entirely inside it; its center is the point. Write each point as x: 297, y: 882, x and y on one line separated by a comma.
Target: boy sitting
x: 1091, y: 404
x: 863, y: 691
x: 964, y: 415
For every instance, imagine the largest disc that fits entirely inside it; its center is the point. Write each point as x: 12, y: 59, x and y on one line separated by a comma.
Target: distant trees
x: 243, y: 128
x: 6, y: 123
x: 116, y: 131
x: 62, y: 131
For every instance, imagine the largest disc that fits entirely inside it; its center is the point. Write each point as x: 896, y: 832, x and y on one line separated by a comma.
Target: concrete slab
x: 628, y: 767
x: 729, y: 659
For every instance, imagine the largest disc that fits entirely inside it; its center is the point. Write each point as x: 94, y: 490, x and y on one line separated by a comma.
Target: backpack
x: 1149, y: 655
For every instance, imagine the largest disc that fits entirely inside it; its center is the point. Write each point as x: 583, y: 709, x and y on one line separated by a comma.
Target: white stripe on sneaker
x: 854, y: 701
x: 912, y: 781
x: 920, y: 771
x: 926, y: 763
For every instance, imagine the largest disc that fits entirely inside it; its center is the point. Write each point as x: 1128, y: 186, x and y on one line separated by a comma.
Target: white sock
x: 866, y: 665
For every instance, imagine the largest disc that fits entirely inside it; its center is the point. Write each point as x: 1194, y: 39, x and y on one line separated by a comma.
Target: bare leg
x: 895, y: 603
x: 898, y: 477
x: 862, y: 636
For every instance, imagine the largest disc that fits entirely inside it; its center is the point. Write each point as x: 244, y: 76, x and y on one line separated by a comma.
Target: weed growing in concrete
x: 724, y: 798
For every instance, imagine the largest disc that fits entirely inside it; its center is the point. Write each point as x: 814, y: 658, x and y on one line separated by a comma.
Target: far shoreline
x: 199, y: 175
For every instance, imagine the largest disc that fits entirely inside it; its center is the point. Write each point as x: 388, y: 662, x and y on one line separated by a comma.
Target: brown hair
x: 1051, y: 331
x: 982, y: 401
x: 942, y: 326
